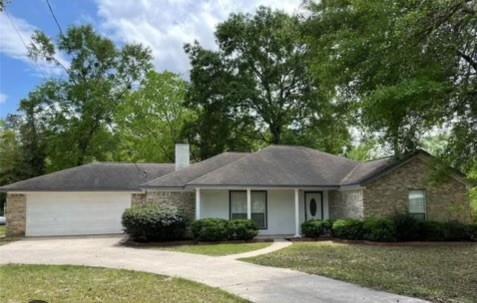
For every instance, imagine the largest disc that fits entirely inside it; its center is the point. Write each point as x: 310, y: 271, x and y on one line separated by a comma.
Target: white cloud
x: 3, y: 98
x: 165, y: 26
x: 16, y: 33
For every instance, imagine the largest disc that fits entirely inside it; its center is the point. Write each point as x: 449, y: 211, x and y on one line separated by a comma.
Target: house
x: 278, y: 187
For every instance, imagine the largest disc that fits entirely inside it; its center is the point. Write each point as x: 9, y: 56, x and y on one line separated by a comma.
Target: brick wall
x: 388, y: 195
x: 15, y: 213
x: 346, y: 204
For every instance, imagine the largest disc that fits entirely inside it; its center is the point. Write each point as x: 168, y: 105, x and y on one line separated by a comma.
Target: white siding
x: 75, y: 213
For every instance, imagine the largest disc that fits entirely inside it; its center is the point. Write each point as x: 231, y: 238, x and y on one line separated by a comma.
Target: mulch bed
x: 131, y: 243
x: 371, y: 243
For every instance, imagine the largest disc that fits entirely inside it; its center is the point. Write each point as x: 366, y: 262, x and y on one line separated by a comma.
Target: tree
x: 259, y: 79
x: 406, y: 66
x: 219, y: 124
x: 83, y: 105
x: 151, y: 119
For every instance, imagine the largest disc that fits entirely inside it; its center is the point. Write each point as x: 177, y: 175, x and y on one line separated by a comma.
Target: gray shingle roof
x: 365, y: 170
x: 183, y: 176
x: 94, y: 177
x: 280, y: 166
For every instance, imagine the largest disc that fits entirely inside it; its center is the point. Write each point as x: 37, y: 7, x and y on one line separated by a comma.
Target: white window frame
x: 412, y: 208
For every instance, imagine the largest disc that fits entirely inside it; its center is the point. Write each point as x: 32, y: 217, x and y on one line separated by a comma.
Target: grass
x: 220, y: 249
x: 440, y: 273
x: 2, y: 231
x: 24, y: 283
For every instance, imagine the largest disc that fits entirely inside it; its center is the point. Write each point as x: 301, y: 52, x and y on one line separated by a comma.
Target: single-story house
x: 278, y: 187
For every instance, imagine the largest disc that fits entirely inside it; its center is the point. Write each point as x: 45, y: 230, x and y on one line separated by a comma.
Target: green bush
x: 456, y: 231
x: 472, y: 232
x: 407, y: 228
x: 210, y: 229
x: 350, y: 229
x: 312, y: 228
x: 153, y: 223
x: 381, y: 230
x: 242, y: 229
x: 315, y: 228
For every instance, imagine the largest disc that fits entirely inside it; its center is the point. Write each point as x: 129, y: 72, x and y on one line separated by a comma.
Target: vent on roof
x: 182, y: 156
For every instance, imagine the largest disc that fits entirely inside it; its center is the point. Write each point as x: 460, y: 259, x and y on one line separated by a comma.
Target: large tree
x: 406, y: 66
x: 260, y: 75
x: 151, y: 119
x: 98, y: 78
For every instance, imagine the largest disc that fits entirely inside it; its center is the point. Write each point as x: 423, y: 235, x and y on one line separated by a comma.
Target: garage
x: 75, y: 213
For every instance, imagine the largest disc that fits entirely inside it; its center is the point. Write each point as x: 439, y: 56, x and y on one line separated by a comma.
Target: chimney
x: 182, y: 156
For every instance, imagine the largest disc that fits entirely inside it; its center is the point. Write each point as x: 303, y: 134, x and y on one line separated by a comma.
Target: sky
x: 162, y: 25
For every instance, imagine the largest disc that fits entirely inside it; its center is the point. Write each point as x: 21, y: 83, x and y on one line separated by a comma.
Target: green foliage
x: 79, y: 110
x: 210, y: 229
x: 381, y: 230
x: 242, y: 229
x: 150, y: 119
x: 350, y: 229
x: 404, y: 67
x: 407, y: 227
x: 316, y: 228
x: 258, y: 86
x: 445, y: 231
x: 153, y: 223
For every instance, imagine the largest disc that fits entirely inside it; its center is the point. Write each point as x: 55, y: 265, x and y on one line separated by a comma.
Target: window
x: 238, y: 206
x: 417, y: 204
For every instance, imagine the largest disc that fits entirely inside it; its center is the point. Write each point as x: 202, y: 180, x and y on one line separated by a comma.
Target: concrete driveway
x: 253, y: 282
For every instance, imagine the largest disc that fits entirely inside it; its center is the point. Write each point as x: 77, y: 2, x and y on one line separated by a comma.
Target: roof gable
x: 182, y: 177
x: 280, y: 166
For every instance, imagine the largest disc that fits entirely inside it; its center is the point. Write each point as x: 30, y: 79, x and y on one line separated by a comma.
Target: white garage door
x: 75, y: 213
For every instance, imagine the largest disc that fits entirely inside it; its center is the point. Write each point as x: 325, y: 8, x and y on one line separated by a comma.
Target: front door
x: 313, y: 205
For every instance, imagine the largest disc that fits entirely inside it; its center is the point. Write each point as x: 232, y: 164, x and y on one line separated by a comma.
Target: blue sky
x: 162, y: 25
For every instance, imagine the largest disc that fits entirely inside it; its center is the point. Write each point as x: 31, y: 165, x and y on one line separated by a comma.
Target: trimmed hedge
x: 315, y: 228
x: 242, y: 229
x: 402, y: 228
x: 381, y: 230
x: 350, y: 229
x: 408, y: 228
x: 212, y: 229
x: 153, y: 223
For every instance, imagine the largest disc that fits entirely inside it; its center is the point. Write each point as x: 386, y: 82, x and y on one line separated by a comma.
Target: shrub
x: 472, y: 232
x: 435, y: 231
x: 315, y: 228
x: 312, y: 228
x: 455, y: 231
x: 348, y: 229
x: 407, y: 228
x: 153, y: 223
x: 210, y: 229
x: 242, y: 229
x: 382, y: 230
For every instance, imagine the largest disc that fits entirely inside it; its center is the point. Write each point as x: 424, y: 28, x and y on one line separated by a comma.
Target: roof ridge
x: 350, y: 172
x: 223, y: 166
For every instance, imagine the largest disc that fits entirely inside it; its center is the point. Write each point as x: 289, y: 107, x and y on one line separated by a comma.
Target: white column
x: 249, y: 204
x: 297, y: 213
x: 197, y: 203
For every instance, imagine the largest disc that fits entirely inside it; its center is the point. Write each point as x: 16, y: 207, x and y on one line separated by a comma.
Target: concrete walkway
x: 253, y: 282
x: 277, y: 244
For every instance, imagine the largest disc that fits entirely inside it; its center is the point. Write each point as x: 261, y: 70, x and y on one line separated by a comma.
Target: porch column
x: 297, y: 213
x: 197, y: 203
x: 249, y: 204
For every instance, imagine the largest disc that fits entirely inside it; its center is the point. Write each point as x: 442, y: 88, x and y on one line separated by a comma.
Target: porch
x: 276, y: 211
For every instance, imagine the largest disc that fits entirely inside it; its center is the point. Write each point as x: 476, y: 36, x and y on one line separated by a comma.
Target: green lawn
x: 221, y: 249
x: 2, y: 231
x: 441, y: 273
x: 23, y: 283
